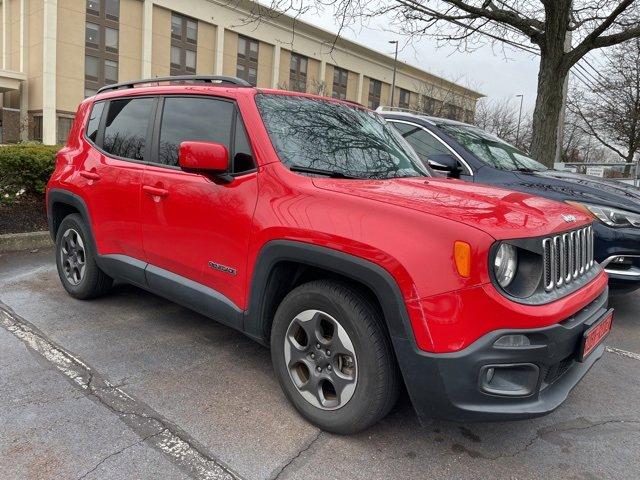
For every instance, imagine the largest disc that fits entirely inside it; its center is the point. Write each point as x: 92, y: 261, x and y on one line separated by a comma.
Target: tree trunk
x: 546, y: 115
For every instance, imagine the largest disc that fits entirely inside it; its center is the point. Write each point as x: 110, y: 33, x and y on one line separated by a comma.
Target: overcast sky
x: 487, y: 70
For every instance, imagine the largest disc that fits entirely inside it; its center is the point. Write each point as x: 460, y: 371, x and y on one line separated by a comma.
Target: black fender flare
x: 57, y: 195
x: 376, y: 278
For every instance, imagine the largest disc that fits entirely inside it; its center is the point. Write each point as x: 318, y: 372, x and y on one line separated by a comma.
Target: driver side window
x: 426, y: 145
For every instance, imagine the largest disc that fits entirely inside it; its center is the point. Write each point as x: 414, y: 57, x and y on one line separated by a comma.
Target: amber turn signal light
x: 462, y: 256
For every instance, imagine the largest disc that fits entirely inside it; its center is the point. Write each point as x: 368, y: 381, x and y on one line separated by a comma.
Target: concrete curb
x: 12, y: 242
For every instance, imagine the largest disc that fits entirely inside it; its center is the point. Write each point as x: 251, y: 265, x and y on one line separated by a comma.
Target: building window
x: 403, y: 102
x: 184, y: 40
x: 64, y: 127
x: 375, y: 89
x: 37, y: 128
x: 101, y: 44
x: 340, y: 80
x: 247, y: 66
x: 298, y: 73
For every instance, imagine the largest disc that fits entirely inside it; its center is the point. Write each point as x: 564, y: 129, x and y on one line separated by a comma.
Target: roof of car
x: 399, y: 113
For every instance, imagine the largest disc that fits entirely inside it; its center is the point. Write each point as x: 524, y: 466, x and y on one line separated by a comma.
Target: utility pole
x: 395, y: 62
x: 519, y: 120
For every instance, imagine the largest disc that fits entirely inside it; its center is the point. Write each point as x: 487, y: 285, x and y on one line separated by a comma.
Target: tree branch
x: 595, y: 40
x: 528, y: 26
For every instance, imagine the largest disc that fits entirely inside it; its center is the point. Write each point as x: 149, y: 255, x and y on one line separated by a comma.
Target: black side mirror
x: 445, y: 162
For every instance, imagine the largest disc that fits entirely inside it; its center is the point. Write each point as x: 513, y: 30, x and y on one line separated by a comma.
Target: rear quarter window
x: 94, y: 121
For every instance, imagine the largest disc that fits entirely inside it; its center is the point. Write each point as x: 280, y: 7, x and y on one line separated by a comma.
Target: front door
x: 194, y: 226
x: 428, y: 146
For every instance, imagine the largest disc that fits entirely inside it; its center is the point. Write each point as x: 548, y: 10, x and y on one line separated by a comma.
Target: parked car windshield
x: 491, y: 149
x: 336, y: 139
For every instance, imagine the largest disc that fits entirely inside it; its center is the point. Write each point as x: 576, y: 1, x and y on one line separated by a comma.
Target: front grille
x: 567, y: 257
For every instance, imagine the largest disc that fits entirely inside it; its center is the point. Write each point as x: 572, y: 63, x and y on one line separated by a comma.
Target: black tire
x: 93, y: 282
x: 377, y: 386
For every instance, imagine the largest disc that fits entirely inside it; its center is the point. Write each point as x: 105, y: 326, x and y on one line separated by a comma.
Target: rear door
x: 111, y: 173
x: 197, y: 226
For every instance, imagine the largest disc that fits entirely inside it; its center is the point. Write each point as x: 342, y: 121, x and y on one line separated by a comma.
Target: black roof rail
x: 213, y: 79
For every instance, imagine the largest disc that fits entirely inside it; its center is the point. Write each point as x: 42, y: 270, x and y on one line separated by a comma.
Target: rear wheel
x: 333, y: 357
x: 80, y: 275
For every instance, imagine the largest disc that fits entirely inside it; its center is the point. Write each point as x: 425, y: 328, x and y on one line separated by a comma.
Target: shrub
x: 25, y: 169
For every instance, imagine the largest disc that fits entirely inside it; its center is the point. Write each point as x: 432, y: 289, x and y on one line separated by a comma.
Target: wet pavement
x: 132, y: 386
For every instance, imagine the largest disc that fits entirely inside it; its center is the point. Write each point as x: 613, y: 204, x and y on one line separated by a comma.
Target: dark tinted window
x: 426, y: 145
x: 336, y: 138
x: 94, y: 121
x: 193, y: 119
x: 243, y: 158
x: 126, y: 127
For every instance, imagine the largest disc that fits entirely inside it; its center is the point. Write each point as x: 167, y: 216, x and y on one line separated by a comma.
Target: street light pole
x: 395, y: 62
x: 519, y: 119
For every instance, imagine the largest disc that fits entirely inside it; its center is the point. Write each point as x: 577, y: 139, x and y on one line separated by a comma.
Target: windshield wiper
x: 526, y: 170
x: 319, y: 171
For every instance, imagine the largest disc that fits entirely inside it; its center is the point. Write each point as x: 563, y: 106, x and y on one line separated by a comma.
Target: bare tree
x: 442, y: 99
x: 610, y: 113
x: 541, y: 27
x: 500, y: 117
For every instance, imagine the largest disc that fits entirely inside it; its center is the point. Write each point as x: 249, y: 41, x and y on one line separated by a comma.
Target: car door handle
x: 155, y: 191
x: 89, y: 175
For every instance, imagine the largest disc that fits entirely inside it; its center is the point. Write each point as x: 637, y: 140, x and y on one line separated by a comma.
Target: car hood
x: 501, y: 213
x: 586, y: 188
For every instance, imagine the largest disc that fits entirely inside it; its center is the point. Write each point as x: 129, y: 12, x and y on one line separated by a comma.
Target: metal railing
x: 634, y: 173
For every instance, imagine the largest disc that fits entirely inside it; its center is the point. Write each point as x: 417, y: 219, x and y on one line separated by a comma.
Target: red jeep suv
x: 310, y: 225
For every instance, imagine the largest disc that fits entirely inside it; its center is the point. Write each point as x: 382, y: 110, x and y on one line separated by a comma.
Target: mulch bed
x: 26, y: 214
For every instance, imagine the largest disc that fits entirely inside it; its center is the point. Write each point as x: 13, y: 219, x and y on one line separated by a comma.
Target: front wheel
x: 333, y: 357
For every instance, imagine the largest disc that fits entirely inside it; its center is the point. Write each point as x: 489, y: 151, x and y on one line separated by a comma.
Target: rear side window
x: 196, y: 119
x: 125, y: 130
x: 94, y: 121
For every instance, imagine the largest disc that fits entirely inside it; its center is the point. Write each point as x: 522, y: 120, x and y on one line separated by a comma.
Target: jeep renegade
x: 310, y: 225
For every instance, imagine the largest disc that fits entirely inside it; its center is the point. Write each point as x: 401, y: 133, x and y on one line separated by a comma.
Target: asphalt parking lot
x: 131, y: 386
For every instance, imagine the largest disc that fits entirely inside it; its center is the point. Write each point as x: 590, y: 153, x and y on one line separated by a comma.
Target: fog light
x: 512, y: 341
x: 509, y: 380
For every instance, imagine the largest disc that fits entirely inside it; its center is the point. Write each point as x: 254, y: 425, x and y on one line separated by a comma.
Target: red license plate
x: 595, y: 335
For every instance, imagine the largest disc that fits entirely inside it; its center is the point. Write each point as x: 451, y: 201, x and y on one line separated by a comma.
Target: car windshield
x: 335, y: 139
x: 490, y: 149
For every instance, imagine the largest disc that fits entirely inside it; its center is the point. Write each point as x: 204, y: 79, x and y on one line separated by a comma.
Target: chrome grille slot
x: 567, y: 257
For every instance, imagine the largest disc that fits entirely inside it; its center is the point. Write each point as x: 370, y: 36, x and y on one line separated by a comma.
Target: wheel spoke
x: 341, y: 344
x: 295, y: 355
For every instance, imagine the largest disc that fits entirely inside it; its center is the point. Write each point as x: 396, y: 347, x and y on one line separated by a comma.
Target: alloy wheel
x: 321, y: 359
x: 73, y: 256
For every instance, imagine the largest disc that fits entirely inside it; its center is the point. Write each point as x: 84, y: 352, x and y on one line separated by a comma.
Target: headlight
x: 505, y: 264
x: 614, y: 217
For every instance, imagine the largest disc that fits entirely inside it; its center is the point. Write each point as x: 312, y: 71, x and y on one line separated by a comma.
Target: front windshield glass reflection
x: 336, y: 137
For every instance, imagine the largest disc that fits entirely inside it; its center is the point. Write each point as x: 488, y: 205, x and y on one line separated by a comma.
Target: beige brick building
x: 57, y: 52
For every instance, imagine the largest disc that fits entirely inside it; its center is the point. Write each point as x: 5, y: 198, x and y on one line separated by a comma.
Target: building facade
x: 55, y: 53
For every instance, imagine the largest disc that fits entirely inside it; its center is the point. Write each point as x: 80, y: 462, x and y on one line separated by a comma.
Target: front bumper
x: 448, y: 386
x: 619, y: 243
